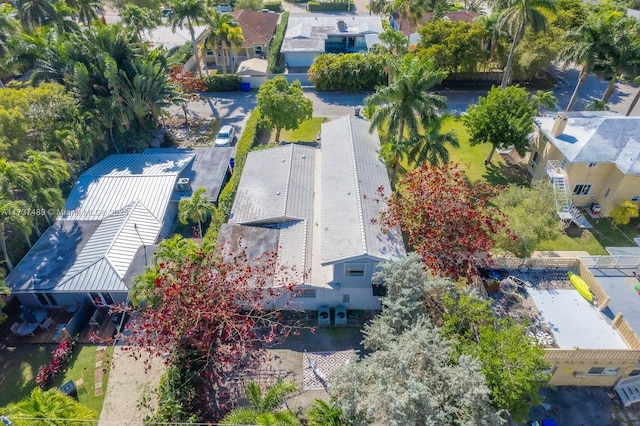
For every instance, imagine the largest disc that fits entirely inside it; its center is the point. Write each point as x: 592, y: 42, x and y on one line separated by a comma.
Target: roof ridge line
x: 129, y: 207
x: 357, y: 183
x: 286, y: 186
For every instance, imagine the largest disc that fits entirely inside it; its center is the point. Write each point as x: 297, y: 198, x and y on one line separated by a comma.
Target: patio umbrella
x: 27, y: 315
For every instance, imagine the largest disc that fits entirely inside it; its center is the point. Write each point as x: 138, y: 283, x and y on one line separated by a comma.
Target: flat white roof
x: 574, y: 322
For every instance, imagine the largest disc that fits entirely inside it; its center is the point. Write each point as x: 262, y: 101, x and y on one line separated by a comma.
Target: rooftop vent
x: 183, y: 185
x: 342, y: 26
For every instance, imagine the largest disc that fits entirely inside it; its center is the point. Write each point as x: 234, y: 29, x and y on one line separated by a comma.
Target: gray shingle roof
x: 598, y: 137
x: 352, y: 172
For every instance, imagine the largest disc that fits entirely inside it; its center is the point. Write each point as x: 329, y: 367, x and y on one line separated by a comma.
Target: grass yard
x: 20, y: 364
x: 308, y: 131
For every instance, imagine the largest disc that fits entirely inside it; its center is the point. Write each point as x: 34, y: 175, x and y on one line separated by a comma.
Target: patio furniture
x: 324, y: 316
x: 341, y: 316
x: 15, y: 327
x: 27, y: 328
x: 46, y: 324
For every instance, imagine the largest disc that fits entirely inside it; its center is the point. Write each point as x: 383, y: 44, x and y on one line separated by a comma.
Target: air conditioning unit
x: 183, y: 185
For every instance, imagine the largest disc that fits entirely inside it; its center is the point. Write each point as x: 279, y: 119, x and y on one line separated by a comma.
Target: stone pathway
x: 99, y: 371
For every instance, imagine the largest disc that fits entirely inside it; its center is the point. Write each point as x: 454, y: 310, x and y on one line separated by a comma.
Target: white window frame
x: 534, y: 160
x: 606, y: 371
x: 355, y: 270
x: 579, y: 189
x: 255, y: 50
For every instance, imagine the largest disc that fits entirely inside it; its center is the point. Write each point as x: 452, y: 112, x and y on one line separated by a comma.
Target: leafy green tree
x: 431, y: 148
x: 196, y: 208
x: 264, y: 409
x: 503, y: 118
x: 529, y: 218
x: 190, y: 12
x: 517, y: 15
x: 379, y: 7
x: 544, y: 99
x: 349, y: 72
x: 283, y: 105
x: 409, y: 379
x: 623, y: 212
x: 249, y: 4
x: 407, y: 102
x: 52, y: 408
x: 535, y: 52
x: 454, y: 46
x: 47, y: 171
x: 323, y: 413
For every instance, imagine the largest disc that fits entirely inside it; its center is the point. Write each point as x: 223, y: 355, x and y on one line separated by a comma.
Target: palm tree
x: 544, y: 98
x: 195, y: 208
x: 621, y: 53
x: 264, y: 408
x: 635, y: 100
x: 35, y: 13
x: 174, y: 249
x: 432, y: 146
x: 86, y: 10
x: 323, y: 413
x: 190, y: 12
x: 138, y: 19
x: 407, y: 102
x: 53, y: 408
x: 393, y: 152
x: 517, y: 16
x: 411, y: 10
x: 378, y: 7
x: 12, y: 217
x: 583, y: 49
x: 224, y: 33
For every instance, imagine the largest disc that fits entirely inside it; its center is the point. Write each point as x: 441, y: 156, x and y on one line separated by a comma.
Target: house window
x: 46, y: 299
x: 582, y: 189
x: 101, y: 299
x: 635, y: 198
x: 346, y: 298
x: 548, y: 371
x: 634, y: 373
x: 379, y: 290
x: 563, y: 163
x: 354, y: 269
x: 209, y: 52
x: 258, y: 50
x: 603, y: 371
x: 606, y: 193
x: 534, y: 160
x: 592, y: 165
x: 307, y: 293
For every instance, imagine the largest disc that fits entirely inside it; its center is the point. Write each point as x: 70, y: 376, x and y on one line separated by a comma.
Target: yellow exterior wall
x: 602, y: 177
x: 570, y: 367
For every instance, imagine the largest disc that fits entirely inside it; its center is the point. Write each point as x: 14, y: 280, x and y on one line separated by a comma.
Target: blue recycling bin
x: 245, y: 87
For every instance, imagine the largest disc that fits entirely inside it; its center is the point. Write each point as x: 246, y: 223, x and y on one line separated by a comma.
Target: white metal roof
x: 167, y: 37
x: 598, y: 137
x: 352, y: 172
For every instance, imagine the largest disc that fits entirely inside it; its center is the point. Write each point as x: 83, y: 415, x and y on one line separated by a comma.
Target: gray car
x: 226, y: 136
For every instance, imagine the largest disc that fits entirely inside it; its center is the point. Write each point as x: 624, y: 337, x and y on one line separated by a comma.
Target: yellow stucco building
x: 592, y: 157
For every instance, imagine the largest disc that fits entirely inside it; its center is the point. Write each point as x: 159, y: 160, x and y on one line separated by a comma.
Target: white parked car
x: 226, y: 136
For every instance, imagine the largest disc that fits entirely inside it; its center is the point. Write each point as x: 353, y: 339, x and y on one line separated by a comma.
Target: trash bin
x: 245, y: 87
x: 69, y: 389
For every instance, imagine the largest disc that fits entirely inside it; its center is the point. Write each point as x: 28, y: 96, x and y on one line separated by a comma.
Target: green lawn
x: 20, y: 364
x: 308, y: 131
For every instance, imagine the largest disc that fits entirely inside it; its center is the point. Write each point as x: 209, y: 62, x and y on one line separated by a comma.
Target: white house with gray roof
x: 310, y: 35
x: 105, y: 236
x: 591, y: 157
x: 313, y: 207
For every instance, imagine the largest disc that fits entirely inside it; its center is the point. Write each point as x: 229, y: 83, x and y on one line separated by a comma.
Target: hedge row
x: 315, y: 6
x: 348, y: 72
x: 276, y: 45
x: 222, y: 83
x: 225, y: 201
x: 275, y: 6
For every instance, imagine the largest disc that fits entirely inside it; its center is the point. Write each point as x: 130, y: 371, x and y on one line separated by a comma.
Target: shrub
x: 341, y: 6
x: 60, y: 357
x: 275, y: 6
x: 182, y: 54
x: 624, y: 212
x: 276, y: 45
x: 222, y: 83
x: 351, y: 72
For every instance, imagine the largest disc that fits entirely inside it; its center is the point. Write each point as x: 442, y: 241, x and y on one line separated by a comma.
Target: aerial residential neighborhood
x: 343, y: 212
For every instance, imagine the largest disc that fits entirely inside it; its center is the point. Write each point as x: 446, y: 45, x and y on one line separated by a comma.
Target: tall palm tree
x: 224, y: 33
x: 323, y: 413
x: 86, y: 10
x: 393, y: 153
x: 411, y: 10
x: 12, y: 217
x: 139, y: 19
x: 195, y: 208
x: 190, y: 12
x: 432, y: 146
x: 35, y: 13
x: 517, y: 17
x: 407, y: 102
x: 53, y: 407
x: 378, y: 7
x: 583, y: 48
x: 264, y: 407
x: 635, y: 100
x: 620, y: 53
x: 544, y: 98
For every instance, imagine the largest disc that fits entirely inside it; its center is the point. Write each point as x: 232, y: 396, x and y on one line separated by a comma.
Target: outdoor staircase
x: 628, y: 389
x: 565, y: 208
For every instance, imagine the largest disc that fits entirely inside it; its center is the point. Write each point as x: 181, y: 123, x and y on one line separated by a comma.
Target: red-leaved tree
x: 216, y: 313
x: 189, y: 86
x: 446, y: 220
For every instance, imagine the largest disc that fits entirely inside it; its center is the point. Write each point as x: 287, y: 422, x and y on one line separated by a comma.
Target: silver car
x: 226, y: 136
